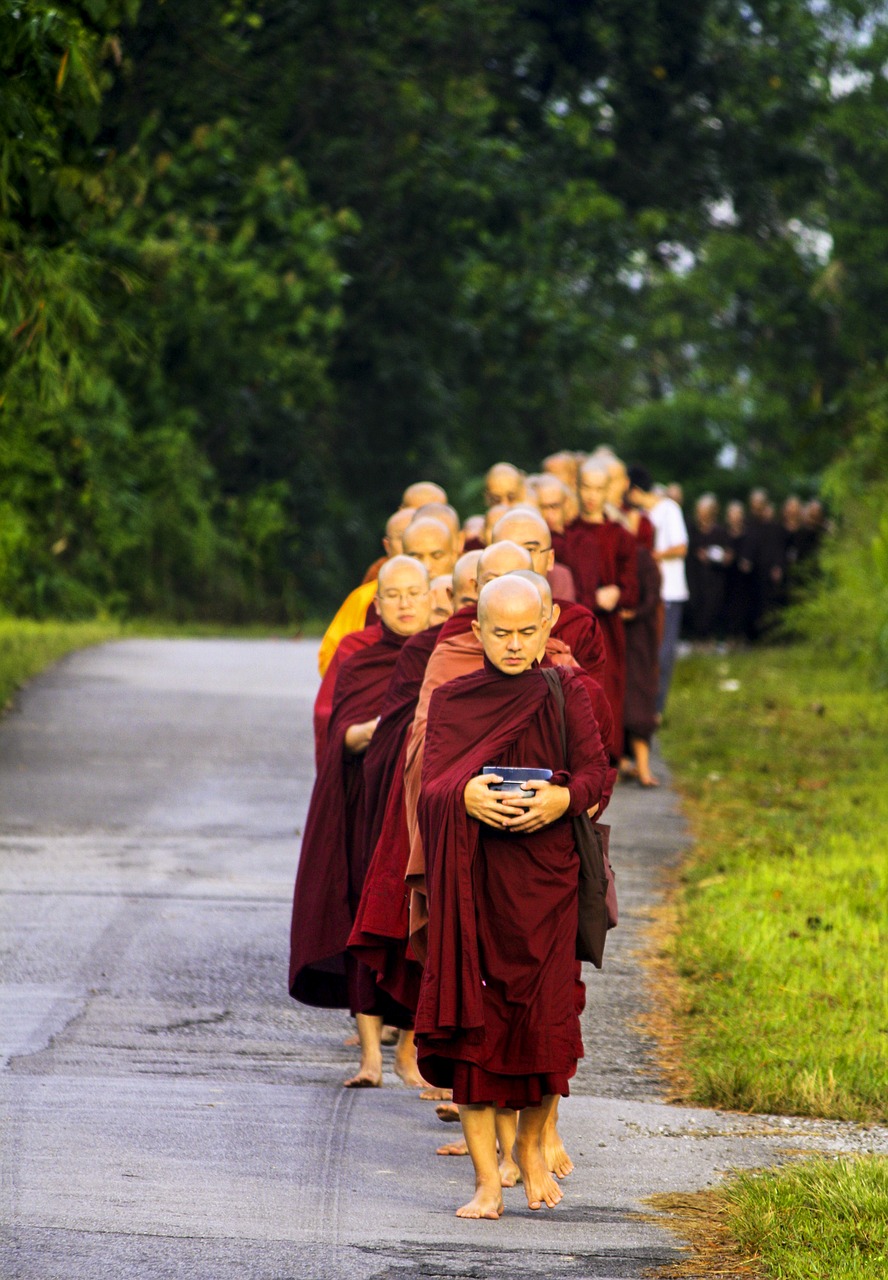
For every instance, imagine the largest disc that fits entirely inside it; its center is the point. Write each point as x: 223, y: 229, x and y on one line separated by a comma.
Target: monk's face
x: 550, y: 499
x: 432, y: 546
x: 403, y: 600
x: 593, y: 492
x: 504, y: 487
x: 512, y: 633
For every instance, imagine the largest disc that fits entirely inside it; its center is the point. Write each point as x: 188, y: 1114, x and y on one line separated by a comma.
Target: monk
x: 565, y: 467
x: 473, y: 533
x: 503, y: 483
x: 601, y: 554
x: 642, y: 629
x: 503, y: 882
x: 392, y: 545
x: 493, y: 514
x: 352, y: 613
x: 432, y: 543
x: 423, y: 491
x: 575, y: 625
x: 333, y: 856
x: 441, y: 590
x: 551, y: 496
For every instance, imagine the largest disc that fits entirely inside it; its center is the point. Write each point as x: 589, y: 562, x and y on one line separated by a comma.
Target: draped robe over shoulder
x: 323, y: 704
x: 498, y: 1013
x: 379, y: 934
x: 600, y: 555
x: 328, y: 881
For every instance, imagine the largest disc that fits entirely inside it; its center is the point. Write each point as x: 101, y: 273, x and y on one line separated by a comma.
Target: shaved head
x: 432, y: 542
x: 402, y: 596
x: 441, y: 511
x: 498, y: 509
x: 503, y: 557
x: 542, y: 585
x: 510, y: 624
x: 563, y: 465
x: 526, y: 527
x: 441, y: 589
x: 465, y: 579
x: 394, y: 531
x: 593, y: 489
x: 503, y: 483
x: 423, y: 491
x: 617, y: 481
x: 551, y: 494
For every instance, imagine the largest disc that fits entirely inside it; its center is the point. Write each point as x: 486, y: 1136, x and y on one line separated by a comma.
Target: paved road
x: 167, y: 1110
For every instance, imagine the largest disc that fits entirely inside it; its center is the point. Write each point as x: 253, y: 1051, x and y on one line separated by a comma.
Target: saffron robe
x: 497, y: 1019
x: 379, y: 934
x: 352, y: 615
x: 602, y: 555
x: 328, y: 881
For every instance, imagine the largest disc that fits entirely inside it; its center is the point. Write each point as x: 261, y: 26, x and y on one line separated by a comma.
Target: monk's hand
x: 607, y: 598
x: 495, y: 808
x: 547, y: 804
x: 357, y: 736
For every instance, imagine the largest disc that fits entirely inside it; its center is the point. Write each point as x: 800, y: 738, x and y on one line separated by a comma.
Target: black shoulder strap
x: 553, y: 680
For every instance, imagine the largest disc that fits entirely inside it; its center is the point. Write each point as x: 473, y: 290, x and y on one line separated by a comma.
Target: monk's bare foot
x: 432, y: 1094
x: 408, y: 1072
x: 366, y: 1077
x: 539, y: 1185
x: 556, y: 1158
x: 389, y: 1035
x: 453, y: 1149
x: 510, y: 1174
x: 351, y: 1041
x: 487, y: 1202
x: 648, y: 780
x: 628, y: 768
x: 448, y: 1112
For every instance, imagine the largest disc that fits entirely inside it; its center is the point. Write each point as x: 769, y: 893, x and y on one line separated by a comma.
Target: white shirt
x: 670, y: 530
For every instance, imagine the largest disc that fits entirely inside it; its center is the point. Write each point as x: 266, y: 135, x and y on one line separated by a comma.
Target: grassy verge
x: 781, y: 919
x: 816, y: 1218
x: 27, y: 647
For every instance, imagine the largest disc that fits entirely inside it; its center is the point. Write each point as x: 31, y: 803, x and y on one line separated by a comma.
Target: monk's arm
x: 587, y: 757
x: 357, y: 736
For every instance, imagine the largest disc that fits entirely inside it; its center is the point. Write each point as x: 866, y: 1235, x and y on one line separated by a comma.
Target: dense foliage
x: 261, y: 264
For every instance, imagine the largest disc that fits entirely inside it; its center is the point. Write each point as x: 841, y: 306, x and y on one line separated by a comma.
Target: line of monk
x: 430, y: 899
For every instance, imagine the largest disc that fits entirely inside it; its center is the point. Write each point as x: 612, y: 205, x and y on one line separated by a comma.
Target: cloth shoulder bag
x: 597, y: 890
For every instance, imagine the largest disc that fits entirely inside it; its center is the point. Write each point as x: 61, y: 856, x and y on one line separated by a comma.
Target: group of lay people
x: 429, y: 898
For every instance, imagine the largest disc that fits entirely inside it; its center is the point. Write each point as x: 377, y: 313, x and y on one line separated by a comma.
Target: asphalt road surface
x: 167, y: 1110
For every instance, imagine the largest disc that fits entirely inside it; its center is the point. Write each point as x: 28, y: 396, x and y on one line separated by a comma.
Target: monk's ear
x: 460, y: 543
x: 556, y: 613
x: 476, y: 628
x: 550, y: 560
x: 449, y: 591
x: 387, y: 547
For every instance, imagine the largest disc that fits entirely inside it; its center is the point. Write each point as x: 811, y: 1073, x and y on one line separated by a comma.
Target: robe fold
x: 602, y: 555
x: 329, y: 878
x: 379, y: 935
x: 323, y: 704
x: 642, y: 649
x: 497, y: 1018
x: 460, y: 654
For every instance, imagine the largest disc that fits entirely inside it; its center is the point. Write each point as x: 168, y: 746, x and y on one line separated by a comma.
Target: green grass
x: 820, y: 1218
x: 28, y: 647
x: 783, y: 906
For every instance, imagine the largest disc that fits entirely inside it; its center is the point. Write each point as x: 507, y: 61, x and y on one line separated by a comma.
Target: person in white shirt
x: 670, y: 549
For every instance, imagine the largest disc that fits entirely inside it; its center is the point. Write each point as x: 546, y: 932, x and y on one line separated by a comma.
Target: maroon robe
x: 497, y: 1019
x: 459, y: 623
x: 328, y: 882
x: 379, y: 935
x: 577, y: 627
x: 601, y: 555
x: 323, y: 705
x: 642, y: 647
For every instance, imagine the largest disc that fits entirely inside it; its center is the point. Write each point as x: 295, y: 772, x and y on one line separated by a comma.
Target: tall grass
x: 782, y: 760
x: 27, y: 647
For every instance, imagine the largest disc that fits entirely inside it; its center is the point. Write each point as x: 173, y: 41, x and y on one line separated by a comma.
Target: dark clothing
x: 497, y: 1018
x: 706, y: 566
x: 642, y: 645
